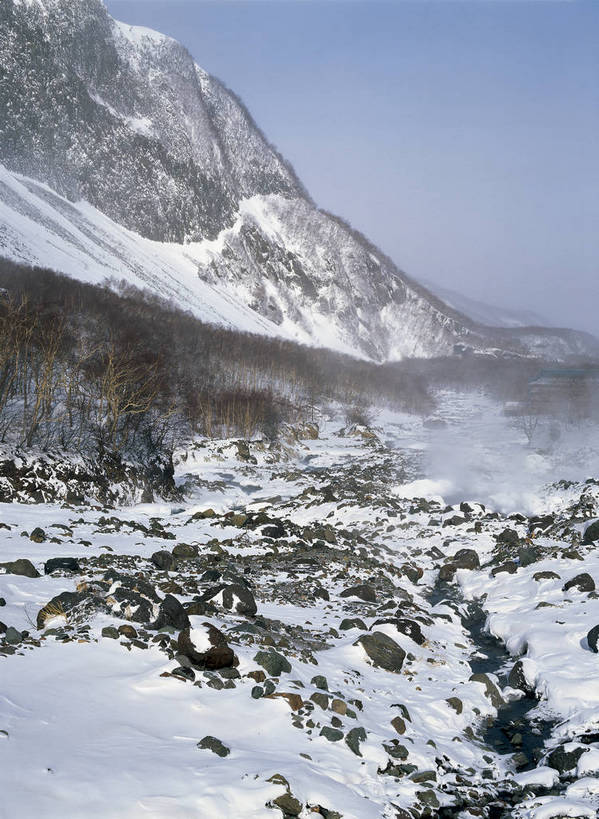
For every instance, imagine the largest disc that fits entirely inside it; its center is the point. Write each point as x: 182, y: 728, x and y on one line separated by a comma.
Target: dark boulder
x: 591, y: 533
x: 273, y: 662
x: 583, y: 582
x: 363, y: 592
x: 466, y: 559
x: 517, y: 679
x: 64, y: 564
x: 382, y: 650
x: 564, y: 761
x: 593, y: 639
x: 171, y: 613
x: 206, y: 647
x: 508, y: 537
x: 22, y: 567
x: 164, y: 560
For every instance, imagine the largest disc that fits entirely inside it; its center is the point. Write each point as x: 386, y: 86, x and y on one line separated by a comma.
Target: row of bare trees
x: 88, y: 369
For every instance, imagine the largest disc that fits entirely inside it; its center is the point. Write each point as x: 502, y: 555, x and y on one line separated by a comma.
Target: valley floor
x: 313, y: 631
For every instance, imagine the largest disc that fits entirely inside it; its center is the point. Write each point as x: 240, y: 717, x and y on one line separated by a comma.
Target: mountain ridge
x: 163, y: 150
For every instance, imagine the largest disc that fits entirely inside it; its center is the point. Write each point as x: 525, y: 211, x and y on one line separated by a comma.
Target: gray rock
x: 382, y: 650
x: 593, y: 639
x: 13, y: 636
x: 219, y: 655
x: 363, y: 592
x: 65, y: 564
x: 163, y: 560
x: 583, y: 582
x: 509, y: 537
x: 288, y: 804
x: 171, y: 613
x: 510, y: 566
x: 466, y: 559
x: 185, y: 551
x: 591, y: 533
x: 320, y: 681
x: 491, y: 690
x: 564, y: 761
x: 352, y: 622
x: 239, y: 599
x: 213, y: 744
x: 517, y: 679
x: 38, y: 535
x: 332, y: 734
x: 184, y: 672
x: 111, y: 632
x: 273, y: 662
x: 353, y: 739
x: 22, y: 567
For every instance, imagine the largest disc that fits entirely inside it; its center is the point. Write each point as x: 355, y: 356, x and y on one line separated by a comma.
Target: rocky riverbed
x: 295, y: 633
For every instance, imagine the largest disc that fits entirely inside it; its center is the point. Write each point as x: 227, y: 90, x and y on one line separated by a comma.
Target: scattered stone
x: 111, y: 632
x: 273, y: 662
x: 184, y: 551
x: 538, y: 576
x: 491, y: 690
x: 382, y: 650
x: 352, y: 622
x: 332, y: 734
x: 399, y: 725
x: 353, y: 739
x: 163, y: 560
x: 12, y: 636
x: 184, y: 672
x: 508, y: 537
x: 455, y: 703
x: 565, y: 760
x: 38, y: 535
x: 288, y: 804
x: 591, y: 534
x: 239, y: 599
x: 213, y: 744
x: 22, y: 567
x: 466, y: 559
x: 65, y: 564
x: 583, y: 582
x: 510, y: 566
x: 171, y: 613
x: 517, y: 679
x: 363, y: 592
x: 294, y: 701
x: 206, y: 647
x: 593, y: 639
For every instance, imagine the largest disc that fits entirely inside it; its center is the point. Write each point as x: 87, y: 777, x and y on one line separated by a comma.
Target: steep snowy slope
x: 153, y: 171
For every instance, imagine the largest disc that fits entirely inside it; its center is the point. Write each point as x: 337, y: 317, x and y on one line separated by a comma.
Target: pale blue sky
x: 461, y: 136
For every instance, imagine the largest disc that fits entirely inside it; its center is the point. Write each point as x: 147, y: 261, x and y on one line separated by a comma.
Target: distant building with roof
x: 568, y: 392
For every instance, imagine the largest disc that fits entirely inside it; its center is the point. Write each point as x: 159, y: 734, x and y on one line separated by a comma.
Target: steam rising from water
x: 481, y: 455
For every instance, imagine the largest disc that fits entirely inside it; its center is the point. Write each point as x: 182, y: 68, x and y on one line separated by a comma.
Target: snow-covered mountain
x: 122, y: 158
x: 485, y: 313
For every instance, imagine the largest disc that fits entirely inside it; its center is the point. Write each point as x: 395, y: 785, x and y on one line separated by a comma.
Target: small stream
x: 514, y: 720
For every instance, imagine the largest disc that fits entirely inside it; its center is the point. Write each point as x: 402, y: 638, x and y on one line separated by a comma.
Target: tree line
x: 112, y: 369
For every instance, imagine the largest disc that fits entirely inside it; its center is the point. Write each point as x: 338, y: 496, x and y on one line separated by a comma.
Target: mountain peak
x: 137, y: 144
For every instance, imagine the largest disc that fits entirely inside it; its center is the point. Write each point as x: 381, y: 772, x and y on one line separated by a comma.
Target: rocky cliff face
x: 121, y: 118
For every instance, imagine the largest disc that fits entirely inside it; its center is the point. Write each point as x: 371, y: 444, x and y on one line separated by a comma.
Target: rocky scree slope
x: 295, y: 634
x: 153, y: 171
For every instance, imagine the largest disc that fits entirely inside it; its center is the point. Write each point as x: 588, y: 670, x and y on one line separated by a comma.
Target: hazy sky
x: 461, y: 136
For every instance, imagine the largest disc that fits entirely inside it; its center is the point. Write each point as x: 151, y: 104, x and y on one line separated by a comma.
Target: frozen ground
x: 352, y: 673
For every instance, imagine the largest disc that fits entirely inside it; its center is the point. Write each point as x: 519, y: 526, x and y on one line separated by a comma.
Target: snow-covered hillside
x: 123, y: 158
x: 302, y: 633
